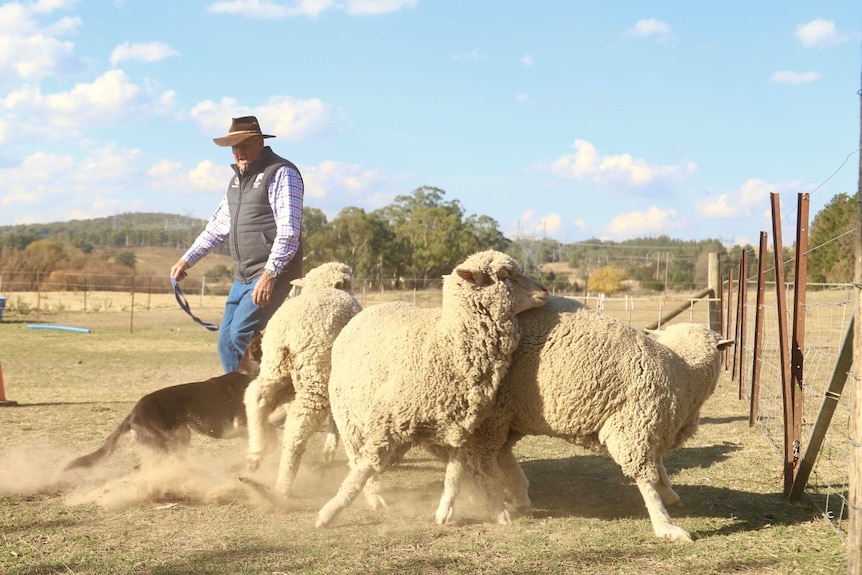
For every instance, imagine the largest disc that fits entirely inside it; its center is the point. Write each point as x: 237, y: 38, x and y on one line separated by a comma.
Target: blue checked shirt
x: 287, y: 208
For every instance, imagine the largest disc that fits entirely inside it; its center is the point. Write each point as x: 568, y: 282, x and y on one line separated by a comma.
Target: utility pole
x: 854, y: 490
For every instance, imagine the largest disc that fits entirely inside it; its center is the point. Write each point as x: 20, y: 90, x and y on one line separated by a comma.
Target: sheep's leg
x: 371, y: 491
x: 517, y: 483
x: 301, y: 422
x: 490, y: 479
x: 665, y: 487
x: 359, y: 474
x: 257, y: 436
x: 661, y: 522
x: 451, y: 486
x: 331, y: 443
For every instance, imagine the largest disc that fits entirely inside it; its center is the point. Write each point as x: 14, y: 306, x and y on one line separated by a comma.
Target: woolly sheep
x: 595, y: 382
x: 296, y: 347
x: 403, y: 376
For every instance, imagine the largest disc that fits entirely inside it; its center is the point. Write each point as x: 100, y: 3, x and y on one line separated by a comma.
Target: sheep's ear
x: 298, y: 282
x: 725, y: 343
x: 474, y: 276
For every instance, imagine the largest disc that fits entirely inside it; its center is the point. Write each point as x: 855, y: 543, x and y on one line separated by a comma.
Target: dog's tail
x: 89, y: 460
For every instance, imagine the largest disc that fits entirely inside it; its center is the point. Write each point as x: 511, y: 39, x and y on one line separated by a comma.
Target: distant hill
x: 127, y: 230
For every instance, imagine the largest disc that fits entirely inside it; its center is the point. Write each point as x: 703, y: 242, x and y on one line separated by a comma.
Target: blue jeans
x: 242, y: 320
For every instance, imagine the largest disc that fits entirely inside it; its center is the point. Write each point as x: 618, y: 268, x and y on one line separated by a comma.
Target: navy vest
x: 252, y: 223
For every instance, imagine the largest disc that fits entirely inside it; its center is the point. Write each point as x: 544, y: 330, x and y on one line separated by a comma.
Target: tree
x: 218, y: 272
x: 432, y: 230
x: 126, y: 258
x: 607, y: 280
x: 831, y: 256
x: 42, y: 256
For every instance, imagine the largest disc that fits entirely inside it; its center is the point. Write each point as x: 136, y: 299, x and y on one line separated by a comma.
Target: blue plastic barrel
x: 2, y: 307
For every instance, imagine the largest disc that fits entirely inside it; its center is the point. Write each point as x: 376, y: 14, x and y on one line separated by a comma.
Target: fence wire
x: 827, y: 316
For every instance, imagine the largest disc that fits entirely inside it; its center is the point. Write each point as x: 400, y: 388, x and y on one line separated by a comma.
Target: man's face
x: 247, y: 151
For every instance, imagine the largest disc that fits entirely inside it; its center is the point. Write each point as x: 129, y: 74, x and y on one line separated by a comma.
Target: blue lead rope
x: 181, y: 299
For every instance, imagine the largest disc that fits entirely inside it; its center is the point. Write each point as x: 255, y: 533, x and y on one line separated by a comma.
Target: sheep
x: 403, y: 376
x: 596, y: 382
x: 296, y: 361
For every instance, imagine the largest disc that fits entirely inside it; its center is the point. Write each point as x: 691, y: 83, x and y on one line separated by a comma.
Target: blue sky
x: 558, y: 118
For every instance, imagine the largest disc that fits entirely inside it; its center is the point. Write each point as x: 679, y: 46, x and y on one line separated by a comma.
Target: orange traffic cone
x: 3, y: 401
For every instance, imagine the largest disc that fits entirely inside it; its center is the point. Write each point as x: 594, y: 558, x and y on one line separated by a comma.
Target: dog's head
x: 250, y: 362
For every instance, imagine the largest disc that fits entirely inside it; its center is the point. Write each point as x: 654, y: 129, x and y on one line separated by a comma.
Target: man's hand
x: 262, y: 290
x: 178, y: 272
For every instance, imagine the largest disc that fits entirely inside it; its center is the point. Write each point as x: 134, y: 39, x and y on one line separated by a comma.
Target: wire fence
x: 828, y: 313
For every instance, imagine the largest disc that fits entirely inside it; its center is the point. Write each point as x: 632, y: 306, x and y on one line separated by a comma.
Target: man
x: 260, y: 216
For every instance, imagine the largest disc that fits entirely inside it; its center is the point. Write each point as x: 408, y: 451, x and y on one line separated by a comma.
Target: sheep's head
x: 329, y: 275
x: 489, y: 267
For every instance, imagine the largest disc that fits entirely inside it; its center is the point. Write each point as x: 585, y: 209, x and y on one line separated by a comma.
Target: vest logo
x: 235, y: 183
x: 257, y: 180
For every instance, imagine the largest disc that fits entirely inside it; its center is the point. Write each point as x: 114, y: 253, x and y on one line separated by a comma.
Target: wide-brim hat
x: 241, y: 129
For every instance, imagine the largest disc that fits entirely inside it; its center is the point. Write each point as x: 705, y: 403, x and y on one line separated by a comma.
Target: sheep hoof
x: 321, y: 521
x: 444, y: 514
x: 674, y: 533
x: 252, y: 463
x: 523, y: 510
x: 376, y: 502
x: 502, y: 518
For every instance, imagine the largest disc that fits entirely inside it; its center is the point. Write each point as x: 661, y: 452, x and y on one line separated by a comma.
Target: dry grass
x: 196, y: 517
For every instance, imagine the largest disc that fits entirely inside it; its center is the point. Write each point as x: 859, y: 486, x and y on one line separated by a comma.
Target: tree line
x: 421, y: 236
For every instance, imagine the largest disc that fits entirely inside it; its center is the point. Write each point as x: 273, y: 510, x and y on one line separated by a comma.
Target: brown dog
x: 164, y: 419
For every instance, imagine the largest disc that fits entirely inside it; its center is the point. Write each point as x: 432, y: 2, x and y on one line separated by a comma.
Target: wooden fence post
x: 714, y: 283
x: 790, y: 449
x: 797, y: 352
x: 756, y: 363
x: 742, y: 295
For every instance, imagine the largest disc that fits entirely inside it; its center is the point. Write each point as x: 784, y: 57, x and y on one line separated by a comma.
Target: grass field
x: 197, y: 517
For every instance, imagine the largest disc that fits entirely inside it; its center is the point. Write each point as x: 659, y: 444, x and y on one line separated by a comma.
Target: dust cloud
x: 213, y: 473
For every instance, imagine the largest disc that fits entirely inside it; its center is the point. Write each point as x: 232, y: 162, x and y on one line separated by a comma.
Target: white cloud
x: 281, y: 116
x: 650, y: 28
x: 328, y: 178
x: 272, y: 10
x: 472, y: 56
x: 265, y: 9
x: 526, y: 61
x: 144, y: 52
x: 30, y: 50
x: 532, y: 225
x: 794, y: 78
x: 653, y: 221
x: 819, y: 33
x: 363, y: 7
x: 63, y: 186
x: 206, y: 177
x: 750, y: 198
x: 622, y: 171
x: 524, y: 99
x: 109, y: 97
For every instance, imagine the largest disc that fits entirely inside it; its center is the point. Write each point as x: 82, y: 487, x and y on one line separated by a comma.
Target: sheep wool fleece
x: 596, y: 382
x: 403, y: 376
x: 297, y: 346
